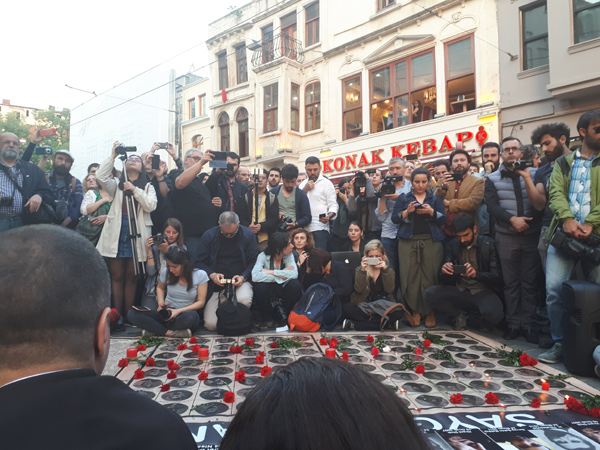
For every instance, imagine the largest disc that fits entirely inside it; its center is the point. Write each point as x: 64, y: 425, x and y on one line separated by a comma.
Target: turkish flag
x: 223, y: 95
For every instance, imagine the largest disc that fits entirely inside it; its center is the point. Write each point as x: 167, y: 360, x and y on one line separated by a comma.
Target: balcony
x: 277, y: 48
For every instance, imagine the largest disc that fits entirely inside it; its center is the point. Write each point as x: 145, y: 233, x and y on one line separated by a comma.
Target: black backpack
x: 233, y: 318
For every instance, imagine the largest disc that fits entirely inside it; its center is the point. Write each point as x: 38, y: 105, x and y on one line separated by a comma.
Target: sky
x: 94, y: 46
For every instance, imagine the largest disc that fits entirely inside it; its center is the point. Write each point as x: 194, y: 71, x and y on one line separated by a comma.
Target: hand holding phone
x: 45, y: 132
x: 372, y: 261
x: 459, y: 269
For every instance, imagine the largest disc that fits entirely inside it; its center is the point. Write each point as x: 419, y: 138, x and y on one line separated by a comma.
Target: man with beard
x: 293, y: 202
x: 30, y: 179
x: 490, y: 152
x: 274, y: 177
x: 460, y: 196
x: 223, y: 185
x: 575, y: 202
x: 67, y: 190
x: 517, y: 227
x: 475, y: 288
x: 243, y: 175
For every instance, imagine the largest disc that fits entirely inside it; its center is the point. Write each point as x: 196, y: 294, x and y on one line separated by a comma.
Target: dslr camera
x: 360, y: 185
x: 279, y: 313
x: 159, y: 239
x: 122, y: 150
x: 285, y: 220
x: 588, y: 249
x: 165, y: 314
x: 6, y: 201
x: 522, y: 165
x: 228, y: 288
x: 387, y: 186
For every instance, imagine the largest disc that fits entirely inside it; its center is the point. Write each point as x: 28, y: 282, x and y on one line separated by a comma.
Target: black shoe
x: 348, y: 325
x: 547, y: 344
x: 511, y: 333
x: 532, y: 336
x: 486, y: 327
x: 270, y: 323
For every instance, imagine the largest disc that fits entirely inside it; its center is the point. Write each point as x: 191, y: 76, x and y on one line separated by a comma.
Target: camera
x: 387, y: 186
x: 6, y: 201
x: 228, y: 288
x: 285, y: 220
x: 230, y: 167
x: 458, y: 176
x: 165, y: 314
x: 522, y: 165
x: 360, y: 185
x: 122, y: 150
x: 163, y: 145
x: 279, y: 312
x: 588, y: 249
x: 43, y: 150
x: 371, y: 171
x: 159, y: 239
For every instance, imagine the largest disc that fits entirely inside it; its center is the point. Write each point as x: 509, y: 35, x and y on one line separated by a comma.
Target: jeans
x: 192, y: 243
x: 449, y: 300
x: 559, y: 268
x: 152, y: 322
x: 8, y: 223
x: 322, y: 238
x: 291, y: 293
x: 391, y: 251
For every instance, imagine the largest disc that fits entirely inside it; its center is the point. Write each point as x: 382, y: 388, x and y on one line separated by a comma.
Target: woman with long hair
x: 115, y: 241
x: 94, y: 209
x: 321, y: 269
x: 356, y: 238
x: 181, y: 293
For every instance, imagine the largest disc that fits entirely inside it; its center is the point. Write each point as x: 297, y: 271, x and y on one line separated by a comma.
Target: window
x: 202, y: 105
x: 312, y: 100
x: 244, y: 141
x: 534, y: 21
x: 288, y: 36
x: 192, y: 108
x: 271, y: 103
x: 223, y: 80
x: 295, y: 105
x: 460, y: 76
x: 267, y: 44
x: 403, y: 92
x: 312, y: 24
x: 241, y: 64
x: 27, y: 113
x: 224, y: 128
x: 586, y: 18
x: 352, y: 107
x: 381, y: 4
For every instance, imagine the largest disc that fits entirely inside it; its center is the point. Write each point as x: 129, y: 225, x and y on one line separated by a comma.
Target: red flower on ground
x: 575, y: 405
x: 420, y: 369
x: 260, y: 359
x: 274, y: 344
x: 165, y: 387
x: 203, y: 375
x: 141, y: 348
x: 150, y: 362
x: 261, y: 353
x: 240, y: 375
x: 193, y: 340
x: 249, y: 342
x: 265, y: 371
x: 535, y: 403
x: 426, y: 343
x: 171, y: 375
x: 139, y: 374
x: 457, y: 399
x: 333, y: 342
x: 345, y: 356
x: 123, y: 362
x: 196, y: 348
x: 235, y: 349
x: 594, y: 412
x: 323, y: 341
x: 181, y: 346
x: 374, y: 351
x: 172, y: 365
x: 491, y: 398
x: 526, y: 360
x: 370, y: 338
x: 418, y: 351
x: 229, y: 397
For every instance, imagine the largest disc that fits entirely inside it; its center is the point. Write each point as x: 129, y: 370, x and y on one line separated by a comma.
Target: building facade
x: 354, y: 82
x: 195, y: 119
x: 23, y: 112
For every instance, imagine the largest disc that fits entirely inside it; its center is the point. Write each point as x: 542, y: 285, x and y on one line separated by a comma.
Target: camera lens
x: 165, y: 314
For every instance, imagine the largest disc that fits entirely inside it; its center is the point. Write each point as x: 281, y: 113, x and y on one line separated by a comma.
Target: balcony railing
x: 280, y: 46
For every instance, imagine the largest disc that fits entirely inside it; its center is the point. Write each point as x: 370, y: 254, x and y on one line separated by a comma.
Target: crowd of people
x: 475, y: 243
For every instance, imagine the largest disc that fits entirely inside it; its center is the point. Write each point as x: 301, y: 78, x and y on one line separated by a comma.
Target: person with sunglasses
x: 115, y: 242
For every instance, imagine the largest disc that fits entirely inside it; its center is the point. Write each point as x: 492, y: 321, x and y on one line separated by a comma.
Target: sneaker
x: 460, y: 323
x: 184, y: 334
x: 552, y: 356
x: 146, y: 333
x: 347, y: 325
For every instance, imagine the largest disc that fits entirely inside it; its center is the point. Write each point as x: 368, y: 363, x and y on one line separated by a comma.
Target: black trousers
x: 364, y: 322
x: 449, y: 300
x: 265, y: 292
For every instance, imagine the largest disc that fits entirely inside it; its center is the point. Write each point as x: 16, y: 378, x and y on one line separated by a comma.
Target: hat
x: 65, y: 152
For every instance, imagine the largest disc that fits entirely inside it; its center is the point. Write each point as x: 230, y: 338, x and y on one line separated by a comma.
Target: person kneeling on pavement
x: 276, y: 285
x: 181, y: 293
x: 471, y: 275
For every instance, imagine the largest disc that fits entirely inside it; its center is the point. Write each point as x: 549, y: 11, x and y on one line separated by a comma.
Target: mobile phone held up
x: 219, y: 160
x: 46, y: 132
x: 412, y: 157
x: 43, y: 150
x: 163, y: 145
x: 459, y: 269
x: 372, y: 261
x: 155, y: 162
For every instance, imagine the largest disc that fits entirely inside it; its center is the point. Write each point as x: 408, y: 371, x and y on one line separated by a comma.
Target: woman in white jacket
x: 114, y: 242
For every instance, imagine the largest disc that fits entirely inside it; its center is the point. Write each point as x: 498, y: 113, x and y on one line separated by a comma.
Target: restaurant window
x: 352, y: 107
x: 270, y: 109
x: 460, y: 76
x: 202, y: 104
x: 312, y: 100
x: 244, y: 141
x: 295, y: 108
x: 223, y: 80
x: 241, y: 64
x: 288, y: 36
x: 403, y: 92
x: 192, y: 108
x: 224, y: 130
x: 312, y: 24
x: 381, y: 4
x: 534, y: 20
x: 586, y: 20
x: 267, y: 44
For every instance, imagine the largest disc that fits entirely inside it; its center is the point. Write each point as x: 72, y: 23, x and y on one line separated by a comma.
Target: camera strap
x: 7, y: 173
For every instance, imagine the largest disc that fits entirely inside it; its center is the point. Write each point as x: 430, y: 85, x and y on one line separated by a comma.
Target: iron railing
x: 277, y: 47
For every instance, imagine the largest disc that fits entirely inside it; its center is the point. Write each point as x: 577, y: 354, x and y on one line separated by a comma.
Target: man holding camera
x: 22, y: 185
x: 517, y: 225
x: 294, y: 207
x: 362, y: 201
x: 226, y: 252
x: 224, y: 186
x: 575, y: 202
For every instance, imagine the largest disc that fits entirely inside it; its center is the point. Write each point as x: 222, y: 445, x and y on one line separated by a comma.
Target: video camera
x: 122, y: 150
x: 285, y: 220
x: 360, y: 185
x: 387, y: 186
x: 522, y: 165
x: 588, y: 249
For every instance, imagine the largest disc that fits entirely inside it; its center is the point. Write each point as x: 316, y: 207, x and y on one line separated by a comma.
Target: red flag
x: 223, y: 95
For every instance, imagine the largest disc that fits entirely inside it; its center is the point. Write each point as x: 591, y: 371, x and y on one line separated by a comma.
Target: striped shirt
x: 580, y: 187
x: 8, y: 190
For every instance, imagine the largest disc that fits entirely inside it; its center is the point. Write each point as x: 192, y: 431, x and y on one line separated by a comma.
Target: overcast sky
x: 96, y: 45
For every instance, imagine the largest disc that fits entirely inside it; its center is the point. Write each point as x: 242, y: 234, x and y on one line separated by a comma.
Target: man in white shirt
x: 323, y: 205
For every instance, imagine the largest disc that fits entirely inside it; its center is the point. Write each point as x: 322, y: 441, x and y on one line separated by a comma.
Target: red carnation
x: 535, y: 403
x: 274, y: 344
x: 526, y: 360
x: 323, y: 341
x: 229, y: 397
x: 249, y: 342
x: 265, y: 371
x: 150, y: 362
x: 181, y: 346
x: 420, y: 369
x: 333, y: 342
x: 260, y: 359
x: 165, y: 387
x: 426, y: 343
x: 418, y: 351
x: 457, y: 399
x: 203, y: 375
x: 491, y: 398
x: 240, y: 375
x: 141, y: 348
x: 374, y: 351
x: 193, y: 340
x: 575, y: 405
x: 196, y: 348
x: 139, y: 374
x: 123, y: 362
x: 370, y: 338
x: 595, y: 412
x: 236, y: 349
x: 171, y: 375
x: 345, y: 356
x: 172, y: 365
x: 261, y: 353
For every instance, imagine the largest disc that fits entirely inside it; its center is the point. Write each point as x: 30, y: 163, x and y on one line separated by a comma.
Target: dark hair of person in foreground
x: 322, y: 404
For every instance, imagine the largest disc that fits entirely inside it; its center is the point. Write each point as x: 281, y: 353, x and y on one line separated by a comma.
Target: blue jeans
x: 322, y: 239
x: 8, y: 223
x: 391, y: 251
x: 192, y: 243
x: 152, y: 322
x: 559, y: 268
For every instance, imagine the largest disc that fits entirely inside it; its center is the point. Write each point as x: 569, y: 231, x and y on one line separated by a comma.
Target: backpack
x: 233, y: 318
x: 318, y: 307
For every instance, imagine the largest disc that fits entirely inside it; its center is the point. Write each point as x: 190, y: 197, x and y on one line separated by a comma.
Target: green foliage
x: 443, y: 354
x: 288, y: 343
x: 379, y: 343
x: 560, y: 377
x: 150, y: 341
x: 510, y: 356
x: 591, y: 402
x: 12, y: 123
x: 433, y: 338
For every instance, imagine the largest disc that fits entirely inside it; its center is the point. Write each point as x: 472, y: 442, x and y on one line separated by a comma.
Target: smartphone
x: 141, y: 308
x: 322, y: 215
x: 219, y: 160
x: 418, y: 206
x: 457, y: 176
x: 43, y: 150
x: 155, y: 162
x: 372, y: 261
x: 164, y: 145
x: 459, y: 269
x: 412, y: 157
x: 47, y: 132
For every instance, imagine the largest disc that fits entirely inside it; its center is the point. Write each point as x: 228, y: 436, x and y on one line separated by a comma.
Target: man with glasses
x: 224, y: 185
x: 227, y: 251
x: 517, y: 228
x: 575, y: 202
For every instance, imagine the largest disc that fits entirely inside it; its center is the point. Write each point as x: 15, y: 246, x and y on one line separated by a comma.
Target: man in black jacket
x: 224, y: 185
x: 475, y: 289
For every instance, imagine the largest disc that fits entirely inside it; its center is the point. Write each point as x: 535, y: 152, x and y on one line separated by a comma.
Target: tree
x: 13, y: 123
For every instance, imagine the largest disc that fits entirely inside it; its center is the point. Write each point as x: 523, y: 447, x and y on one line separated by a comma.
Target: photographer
x: 576, y: 208
x: 27, y: 198
x: 294, y: 207
x: 231, y: 192
x: 67, y: 190
x: 266, y: 220
x: 181, y: 293
x: 364, y: 204
x: 339, y: 229
x: 275, y: 279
